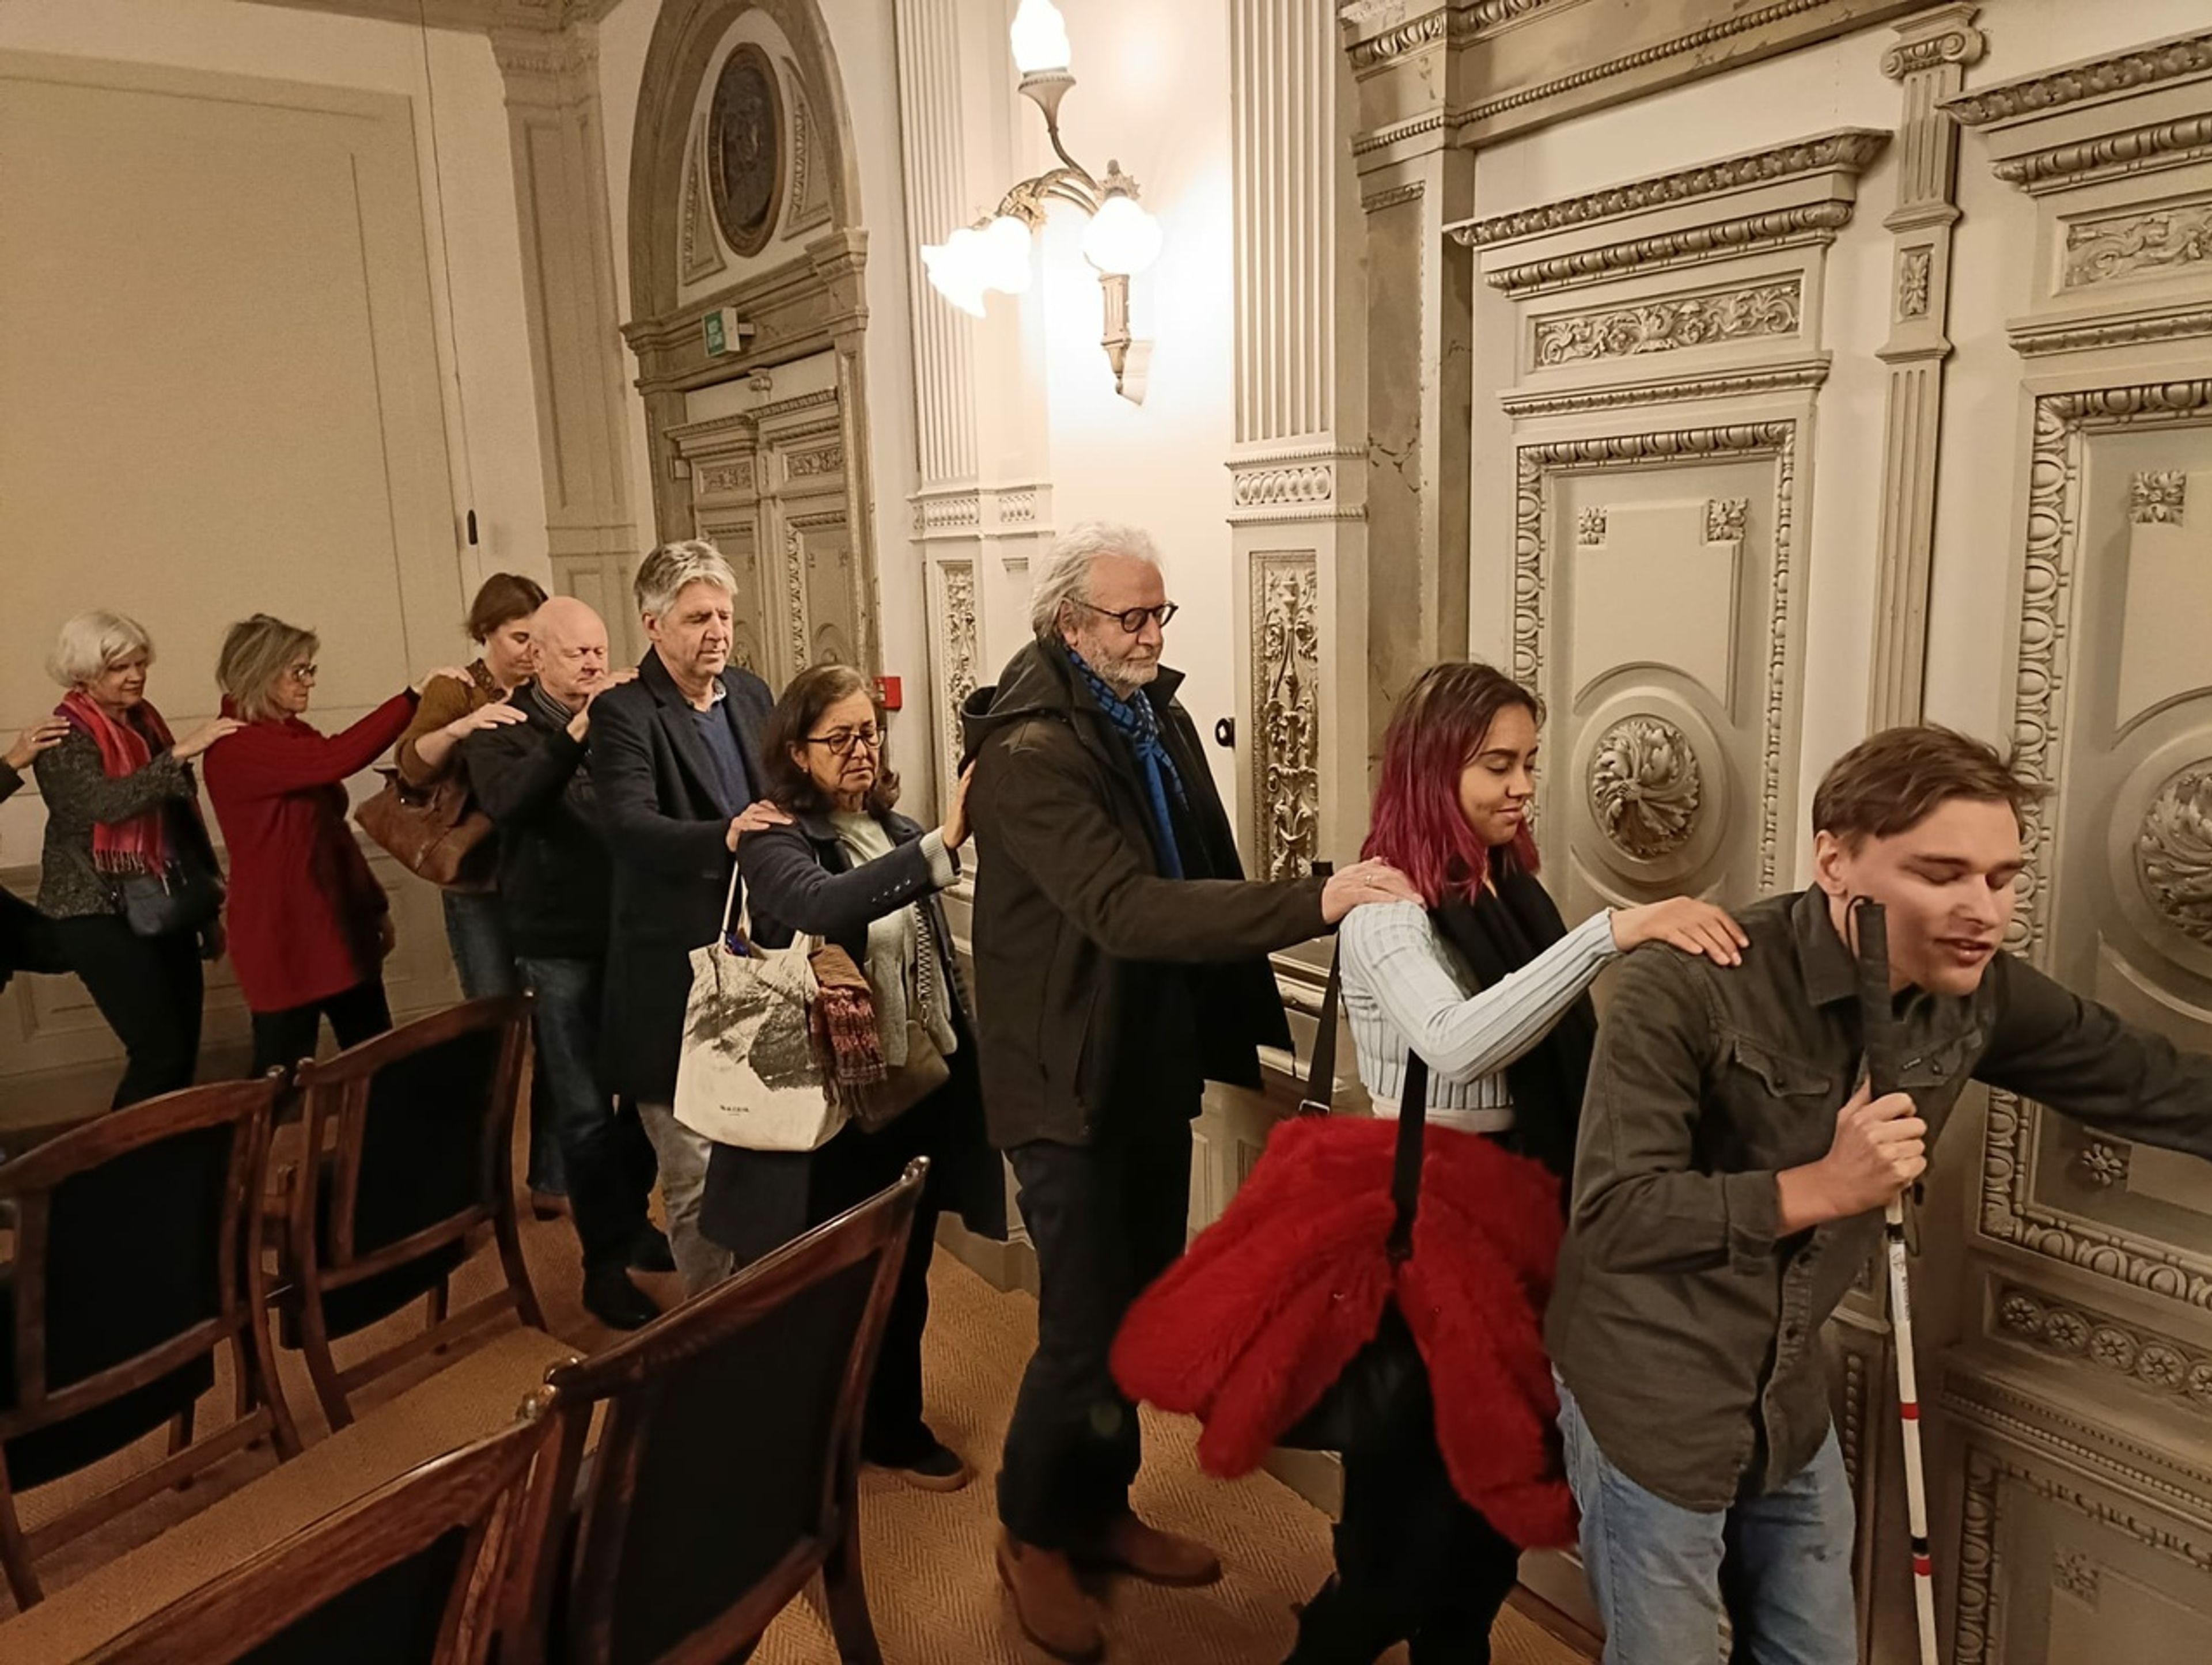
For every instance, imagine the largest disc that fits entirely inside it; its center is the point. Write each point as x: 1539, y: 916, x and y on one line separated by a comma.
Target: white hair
x: 1066, y: 580
x: 663, y: 574
x: 92, y: 641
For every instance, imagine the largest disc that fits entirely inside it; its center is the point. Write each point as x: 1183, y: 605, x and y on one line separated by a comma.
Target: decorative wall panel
x: 1285, y: 690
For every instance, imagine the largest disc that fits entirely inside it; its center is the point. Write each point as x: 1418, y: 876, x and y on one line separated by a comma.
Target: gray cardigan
x: 79, y: 792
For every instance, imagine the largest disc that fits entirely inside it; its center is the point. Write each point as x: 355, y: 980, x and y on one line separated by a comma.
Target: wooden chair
x: 409, y: 1574
x: 138, y: 1256
x: 728, y: 1470
x: 405, y: 1141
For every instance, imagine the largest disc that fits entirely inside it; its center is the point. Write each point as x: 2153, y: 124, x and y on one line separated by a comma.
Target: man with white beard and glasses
x: 1121, y: 963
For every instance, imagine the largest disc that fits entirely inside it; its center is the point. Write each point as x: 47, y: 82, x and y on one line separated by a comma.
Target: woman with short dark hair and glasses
x: 850, y: 870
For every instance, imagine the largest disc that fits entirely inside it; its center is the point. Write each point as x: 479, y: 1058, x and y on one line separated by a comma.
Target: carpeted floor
x: 932, y: 1587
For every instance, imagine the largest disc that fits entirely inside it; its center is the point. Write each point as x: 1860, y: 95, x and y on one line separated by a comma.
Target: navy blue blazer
x: 668, y: 833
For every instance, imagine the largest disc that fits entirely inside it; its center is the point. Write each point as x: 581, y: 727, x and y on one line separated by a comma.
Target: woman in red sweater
x: 309, y: 925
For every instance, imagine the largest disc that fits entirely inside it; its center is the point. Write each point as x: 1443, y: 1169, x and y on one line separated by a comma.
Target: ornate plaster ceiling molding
x: 1813, y: 222
x: 1793, y: 377
x: 2075, y: 83
x: 1846, y: 150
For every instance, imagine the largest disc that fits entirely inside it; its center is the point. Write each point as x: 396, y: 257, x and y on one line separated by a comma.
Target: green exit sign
x: 717, y: 340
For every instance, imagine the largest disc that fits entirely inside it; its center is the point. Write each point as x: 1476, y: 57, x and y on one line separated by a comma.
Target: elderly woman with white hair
x: 129, y: 878
x: 309, y: 924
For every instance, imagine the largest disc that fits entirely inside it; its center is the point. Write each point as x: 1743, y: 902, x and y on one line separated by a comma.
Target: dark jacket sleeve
x: 2050, y: 1045
x: 785, y: 882
x: 11, y: 782
x: 77, y: 784
x: 1046, y: 814
x: 516, y: 770
x: 630, y: 798
x: 1640, y: 1202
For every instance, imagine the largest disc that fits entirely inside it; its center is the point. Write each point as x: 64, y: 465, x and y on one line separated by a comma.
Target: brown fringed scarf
x: 845, y: 1019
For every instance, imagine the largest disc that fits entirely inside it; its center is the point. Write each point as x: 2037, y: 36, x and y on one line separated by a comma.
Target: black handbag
x: 1381, y: 1398
x: 187, y: 897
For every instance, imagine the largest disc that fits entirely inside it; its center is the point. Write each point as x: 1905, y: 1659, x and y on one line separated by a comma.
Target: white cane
x: 1878, y: 1026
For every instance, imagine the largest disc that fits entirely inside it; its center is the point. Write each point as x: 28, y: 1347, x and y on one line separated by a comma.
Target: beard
x: 1125, y: 673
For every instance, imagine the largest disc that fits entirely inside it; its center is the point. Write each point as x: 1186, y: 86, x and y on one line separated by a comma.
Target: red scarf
x: 140, y: 845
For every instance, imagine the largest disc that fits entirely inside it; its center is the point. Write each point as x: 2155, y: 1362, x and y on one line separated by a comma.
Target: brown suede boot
x: 1052, y: 1607
x: 1156, y: 1557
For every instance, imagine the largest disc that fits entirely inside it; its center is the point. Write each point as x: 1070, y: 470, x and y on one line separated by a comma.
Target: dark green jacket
x: 1098, y: 982
x: 1686, y: 1326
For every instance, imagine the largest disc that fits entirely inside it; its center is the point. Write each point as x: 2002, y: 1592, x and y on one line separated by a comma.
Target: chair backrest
x: 728, y: 1460
x: 406, y: 1141
x: 137, y: 1255
x: 409, y: 1575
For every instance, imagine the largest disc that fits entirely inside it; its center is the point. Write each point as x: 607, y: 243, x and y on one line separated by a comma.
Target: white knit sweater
x: 1406, y: 988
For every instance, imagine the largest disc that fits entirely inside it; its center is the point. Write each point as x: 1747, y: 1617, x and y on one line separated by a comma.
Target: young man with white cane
x: 1732, y: 1172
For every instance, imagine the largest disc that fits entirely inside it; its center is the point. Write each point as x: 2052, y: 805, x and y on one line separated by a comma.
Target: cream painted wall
x: 1152, y: 77
x: 482, y: 363
x: 862, y: 40
x: 1981, y: 492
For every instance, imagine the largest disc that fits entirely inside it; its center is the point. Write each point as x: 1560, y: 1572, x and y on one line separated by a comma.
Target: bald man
x: 555, y: 889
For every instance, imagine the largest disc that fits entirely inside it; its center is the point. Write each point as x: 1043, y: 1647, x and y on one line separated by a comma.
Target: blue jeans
x: 608, y: 1161
x: 476, y: 933
x: 1779, y: 1565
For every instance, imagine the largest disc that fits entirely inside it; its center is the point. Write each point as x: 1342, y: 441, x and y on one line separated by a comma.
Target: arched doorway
x: 747, y: 261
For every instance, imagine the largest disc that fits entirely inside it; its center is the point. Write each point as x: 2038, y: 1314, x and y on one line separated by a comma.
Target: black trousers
x: 1414, y: 1562
x: 1105, y: 1219
x: 149, y: 988
x: 281, y: 1039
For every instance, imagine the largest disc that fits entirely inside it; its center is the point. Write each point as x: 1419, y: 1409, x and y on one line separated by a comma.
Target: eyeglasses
x: 300, y: 672
x: 843, y: 741
x: 1132, y: 619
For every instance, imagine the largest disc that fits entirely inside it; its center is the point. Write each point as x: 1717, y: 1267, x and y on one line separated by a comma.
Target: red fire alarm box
x: 889, y: 691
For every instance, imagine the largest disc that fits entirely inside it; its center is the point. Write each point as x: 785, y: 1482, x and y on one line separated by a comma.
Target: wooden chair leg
x: 510, y: 1258
x: 322, y: 1369
x: 256, y: 1366
x: 15, y: 1552
x: 846, y: 1591
x: 435, y: 1305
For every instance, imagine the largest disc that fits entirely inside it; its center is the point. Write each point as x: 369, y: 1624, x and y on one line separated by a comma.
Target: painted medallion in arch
x: 745, y: 149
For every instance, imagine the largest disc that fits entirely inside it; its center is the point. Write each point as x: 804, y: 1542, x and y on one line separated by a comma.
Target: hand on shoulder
x: 1685, y: 923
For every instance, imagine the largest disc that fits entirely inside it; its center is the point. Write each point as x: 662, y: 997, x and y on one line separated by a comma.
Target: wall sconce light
x: 1121, y: 240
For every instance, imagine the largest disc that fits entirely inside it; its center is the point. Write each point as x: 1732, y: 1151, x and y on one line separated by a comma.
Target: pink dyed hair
x: 1418, y: 826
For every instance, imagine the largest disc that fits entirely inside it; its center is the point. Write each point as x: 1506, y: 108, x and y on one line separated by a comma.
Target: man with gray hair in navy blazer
x: 675, y: 760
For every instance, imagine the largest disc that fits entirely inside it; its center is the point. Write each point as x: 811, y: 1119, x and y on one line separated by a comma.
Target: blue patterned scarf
x: 1139, y: 725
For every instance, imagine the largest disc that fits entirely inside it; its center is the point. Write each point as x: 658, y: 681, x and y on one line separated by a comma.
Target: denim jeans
x: 683, y: 1156
x: 604, y: 1153
x: 485, y: 961
x: 1779, y: 1565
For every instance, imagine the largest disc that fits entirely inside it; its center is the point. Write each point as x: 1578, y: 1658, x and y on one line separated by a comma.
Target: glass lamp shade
x: 956, y: 267
x: 1040, y: 37
x: 1005, y: 258
x: 1121, y: 237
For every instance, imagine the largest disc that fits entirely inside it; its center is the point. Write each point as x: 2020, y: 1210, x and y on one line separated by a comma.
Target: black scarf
x: 1497, y: 935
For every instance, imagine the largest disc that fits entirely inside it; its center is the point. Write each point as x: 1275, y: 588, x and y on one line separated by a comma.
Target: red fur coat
x: 1250, y: 1327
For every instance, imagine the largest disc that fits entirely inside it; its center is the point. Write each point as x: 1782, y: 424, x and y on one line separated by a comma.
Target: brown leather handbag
x: 434, y: 832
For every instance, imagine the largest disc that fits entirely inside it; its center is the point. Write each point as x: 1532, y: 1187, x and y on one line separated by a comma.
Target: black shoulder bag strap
x: 1412, y: 1112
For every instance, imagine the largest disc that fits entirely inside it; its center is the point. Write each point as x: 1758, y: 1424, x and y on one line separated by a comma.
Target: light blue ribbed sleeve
x: 1392, y: 953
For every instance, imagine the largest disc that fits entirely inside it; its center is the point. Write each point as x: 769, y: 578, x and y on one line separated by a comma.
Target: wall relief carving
x: 1645, y: 787
x: 2157, y: 496
x: 806, y: 464
x: 1726, y: 518
x: 2133, y: 245
x: 1286, y: 687
x: 2173, y: 853
x: 1761, y: 309
x: 2157, y: 1361
x: 1978, y: 1637
x: 1915, y: 267
x: 2104, y: 1165
x: 1589, y: 527
x: 2010, y: 1213
x: 1531, y: 565
x: 1783, y: 228
x: 2076, y: 1574
x: 957, y: 661
x: 2120, y: 73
